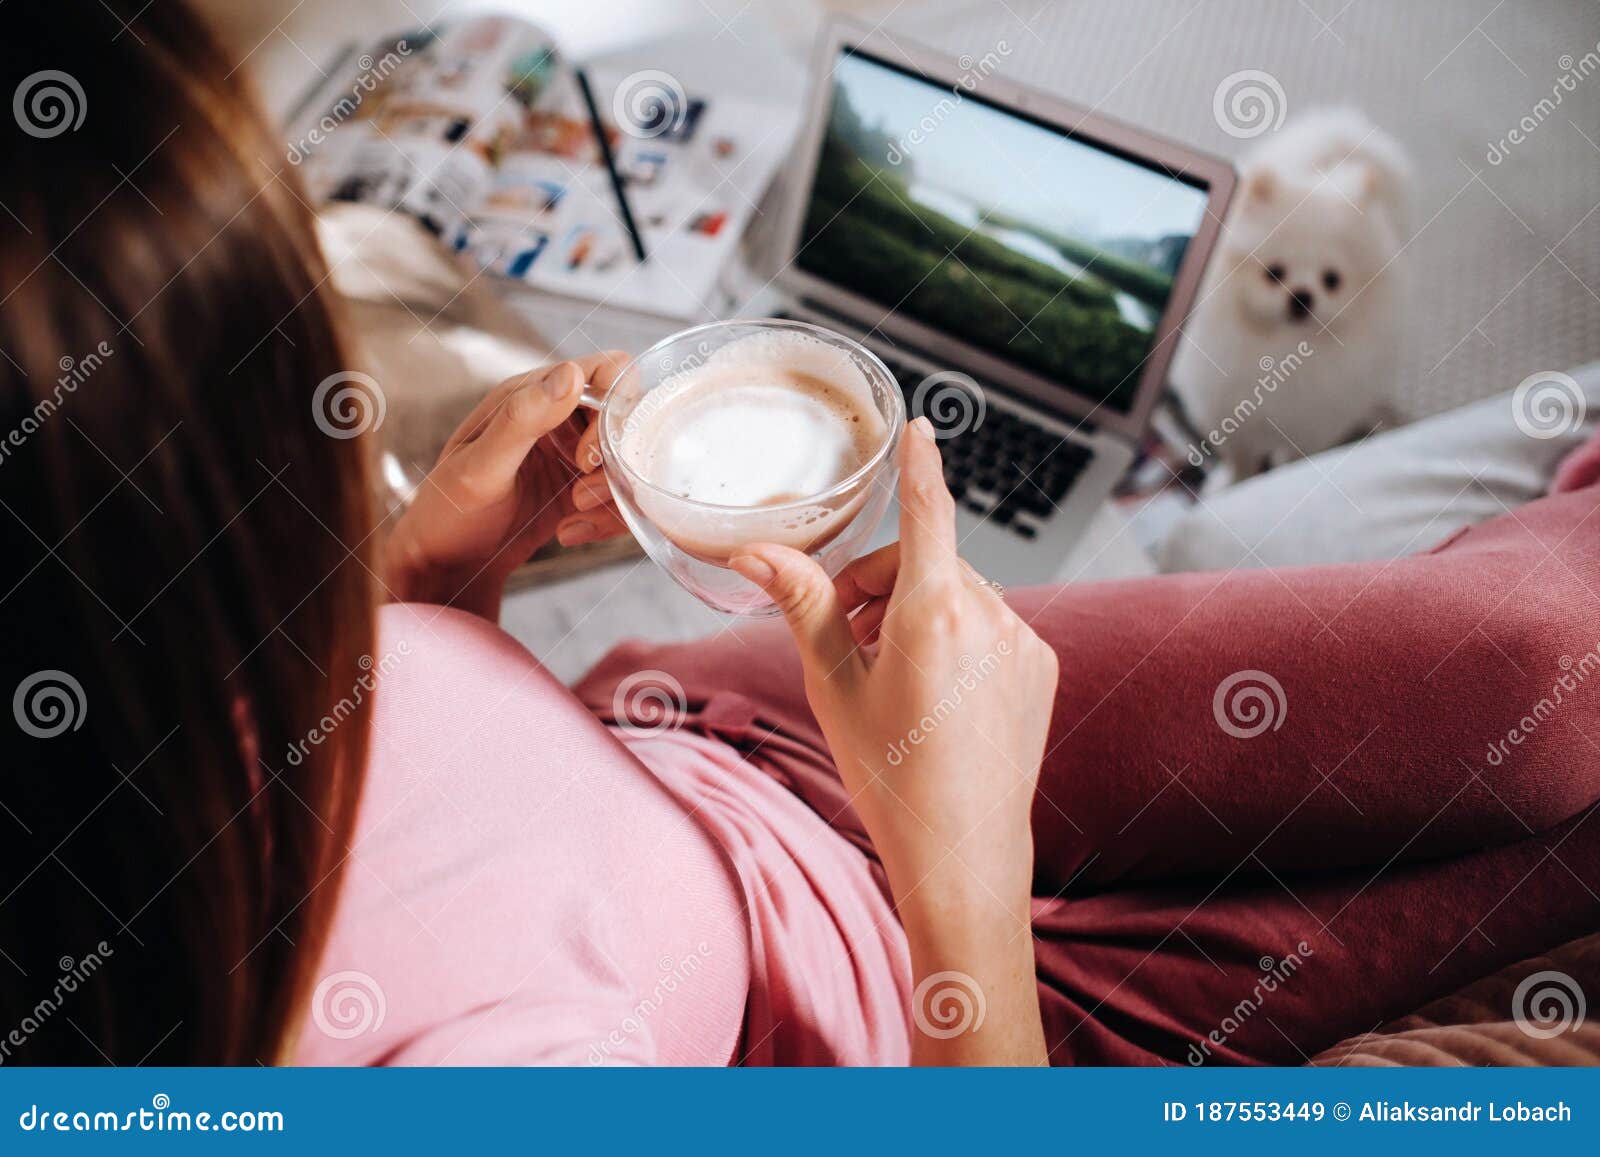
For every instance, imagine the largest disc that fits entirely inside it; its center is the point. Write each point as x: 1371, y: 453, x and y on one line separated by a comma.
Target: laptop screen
x: 1050, y: 251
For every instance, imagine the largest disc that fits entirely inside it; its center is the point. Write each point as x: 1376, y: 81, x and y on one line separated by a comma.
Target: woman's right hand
x: 937, y: 732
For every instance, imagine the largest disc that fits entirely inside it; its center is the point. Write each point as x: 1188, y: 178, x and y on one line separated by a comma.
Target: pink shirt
x: 523, y: 888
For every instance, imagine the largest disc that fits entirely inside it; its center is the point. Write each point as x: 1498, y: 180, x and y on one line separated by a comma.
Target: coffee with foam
x: 753, y: 440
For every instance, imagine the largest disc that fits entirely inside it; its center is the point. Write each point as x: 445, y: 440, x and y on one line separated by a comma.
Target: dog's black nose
x: 1300, y: 303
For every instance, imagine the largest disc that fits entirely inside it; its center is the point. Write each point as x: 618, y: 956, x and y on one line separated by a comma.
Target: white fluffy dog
x: 1292, y: 346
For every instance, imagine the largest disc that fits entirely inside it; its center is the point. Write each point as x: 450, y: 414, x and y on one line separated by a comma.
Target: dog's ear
x: 1360, y: 181
x: 1351, y: 179
x: 1260, y: 184
x: 1373, y: 183
x: 1380, y: 184
x: 1379, y: 174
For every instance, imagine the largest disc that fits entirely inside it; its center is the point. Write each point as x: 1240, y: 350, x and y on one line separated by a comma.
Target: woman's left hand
x: 504, y: 487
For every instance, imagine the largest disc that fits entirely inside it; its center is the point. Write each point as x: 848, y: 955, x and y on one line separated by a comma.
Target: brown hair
x: 186, y: 587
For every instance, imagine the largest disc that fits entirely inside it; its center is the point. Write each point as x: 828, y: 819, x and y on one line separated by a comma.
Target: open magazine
x: 479, y: 130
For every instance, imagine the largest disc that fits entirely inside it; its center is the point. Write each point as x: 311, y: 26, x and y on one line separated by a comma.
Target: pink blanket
x: 1280, y: 807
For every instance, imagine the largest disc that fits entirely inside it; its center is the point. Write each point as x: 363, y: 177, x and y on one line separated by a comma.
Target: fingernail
x: 757, y: 570
x: 561, y: 381
x: 924, y: 427
x: 575, y: 533
x: 592, y: 457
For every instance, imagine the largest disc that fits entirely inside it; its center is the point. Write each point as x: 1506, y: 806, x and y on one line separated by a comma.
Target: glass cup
x: 692, y: 540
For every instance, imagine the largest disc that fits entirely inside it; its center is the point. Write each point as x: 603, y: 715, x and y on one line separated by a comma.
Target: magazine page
x: 481, y: 133
x: 693, y: 168
x: 409, y: 123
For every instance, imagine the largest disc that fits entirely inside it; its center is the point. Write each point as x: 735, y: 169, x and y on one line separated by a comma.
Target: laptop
x: 1020, y: 263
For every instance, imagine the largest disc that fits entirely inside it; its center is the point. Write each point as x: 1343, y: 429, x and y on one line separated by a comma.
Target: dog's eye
x: 1330, y: 279
x: 1275, y: 272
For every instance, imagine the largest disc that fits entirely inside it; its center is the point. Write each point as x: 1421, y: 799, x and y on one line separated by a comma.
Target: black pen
x: 611, y: 162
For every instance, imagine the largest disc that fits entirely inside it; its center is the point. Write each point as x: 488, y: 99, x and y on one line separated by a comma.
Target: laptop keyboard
x: 1007, y: 469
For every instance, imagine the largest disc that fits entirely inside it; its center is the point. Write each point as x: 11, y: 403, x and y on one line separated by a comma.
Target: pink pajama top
x: 527, y: 886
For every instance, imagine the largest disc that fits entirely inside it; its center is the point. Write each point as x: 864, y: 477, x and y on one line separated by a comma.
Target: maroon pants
x: 1278, y: 807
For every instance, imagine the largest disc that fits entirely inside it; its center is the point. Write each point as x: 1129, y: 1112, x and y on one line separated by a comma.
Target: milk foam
x: 755, y: 438
x: 753, y: 443
x: 770, y: 420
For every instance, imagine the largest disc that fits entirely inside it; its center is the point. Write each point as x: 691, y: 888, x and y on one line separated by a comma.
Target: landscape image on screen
x: 1046, y: 251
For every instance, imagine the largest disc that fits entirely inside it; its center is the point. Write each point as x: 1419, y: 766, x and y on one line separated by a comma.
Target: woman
x: 920, y: 849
